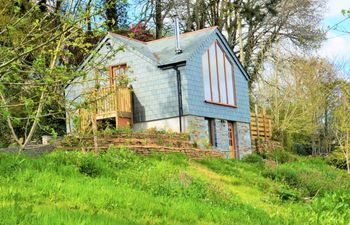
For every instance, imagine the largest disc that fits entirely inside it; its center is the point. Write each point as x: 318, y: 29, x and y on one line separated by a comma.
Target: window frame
x: 220, y: 92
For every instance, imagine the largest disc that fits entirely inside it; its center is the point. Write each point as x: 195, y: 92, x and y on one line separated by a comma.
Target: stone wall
x: 198, y: 129
x: 221, y: 131
x: 243, y: 139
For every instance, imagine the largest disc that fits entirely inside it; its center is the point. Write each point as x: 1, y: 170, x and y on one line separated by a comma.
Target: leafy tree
x: 116, y: 14
x: 252, y: 27
x: 341, y: 121
x: 299, y: 93
x: 35, y: 64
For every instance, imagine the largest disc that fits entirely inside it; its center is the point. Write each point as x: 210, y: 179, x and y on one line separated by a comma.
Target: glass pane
x: 221, y: 67
x: 230, y: 90
x: 206, y: 78
x: 214, y: 74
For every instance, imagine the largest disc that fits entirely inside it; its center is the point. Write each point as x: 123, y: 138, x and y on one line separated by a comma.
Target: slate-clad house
x: 201, y: 89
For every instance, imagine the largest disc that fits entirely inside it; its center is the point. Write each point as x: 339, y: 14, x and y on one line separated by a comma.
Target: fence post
x: 264, y: 121
x: 257, y: 128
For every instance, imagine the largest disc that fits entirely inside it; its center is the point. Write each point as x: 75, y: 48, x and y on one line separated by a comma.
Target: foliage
x: 38, y: 51
x: 313, y: 177
x: 302, y: 149
x: 76, y: 187
x: 341, y: 121
x: 301, y: 106
x: 280, y: 156
x: 253, y: 158
x: 337, y: 159
x: 337, y: 206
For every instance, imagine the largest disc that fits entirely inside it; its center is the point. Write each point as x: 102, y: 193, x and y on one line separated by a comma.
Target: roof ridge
x: 183, y: 34
x: 125, y: 37
x: 161, y: 39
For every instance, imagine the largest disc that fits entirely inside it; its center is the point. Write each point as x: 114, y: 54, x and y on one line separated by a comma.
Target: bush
x: 10, y: 164
x: 254, y: 159
x: 280, y: 156
x: 288, y: 194
x: 88, y: 165
x: 302, y: 149
x: 122, y: 158
x: 333, y: 208
x: 312, y: 177
x: 337, y: 159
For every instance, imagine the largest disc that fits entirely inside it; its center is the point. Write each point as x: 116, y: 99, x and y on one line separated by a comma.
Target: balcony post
x: 115, y: 90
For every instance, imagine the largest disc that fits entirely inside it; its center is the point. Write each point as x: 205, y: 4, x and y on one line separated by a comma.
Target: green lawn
x: 120, y: 187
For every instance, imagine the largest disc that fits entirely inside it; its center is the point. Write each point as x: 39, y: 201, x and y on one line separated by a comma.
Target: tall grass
x: 120, y: 187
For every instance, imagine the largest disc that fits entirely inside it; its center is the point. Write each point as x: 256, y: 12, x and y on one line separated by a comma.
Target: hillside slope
x: 121, y: 187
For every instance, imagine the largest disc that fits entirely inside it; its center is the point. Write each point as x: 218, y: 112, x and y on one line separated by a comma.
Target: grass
x: 120, y: 187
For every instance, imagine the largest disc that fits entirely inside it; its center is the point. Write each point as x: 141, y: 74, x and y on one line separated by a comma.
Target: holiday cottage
x: 186, y: 83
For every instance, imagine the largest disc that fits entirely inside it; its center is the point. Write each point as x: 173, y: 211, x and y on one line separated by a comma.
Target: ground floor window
x: 211, y: 131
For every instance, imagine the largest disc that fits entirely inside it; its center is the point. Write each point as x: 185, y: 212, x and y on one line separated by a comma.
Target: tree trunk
x: 158, y: 19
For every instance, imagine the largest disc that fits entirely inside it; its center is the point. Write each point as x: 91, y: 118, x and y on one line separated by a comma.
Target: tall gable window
x: 218, y: 76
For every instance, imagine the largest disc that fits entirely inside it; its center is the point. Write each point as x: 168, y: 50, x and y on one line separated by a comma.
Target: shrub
x: 10, y: 164
x: 122, y: 158
x: 302, y: 149
x: 333, y: 208
x: 88, y: 166
x: 280, y: 156
x: 337, y: 159
x: 312, y: 177
x: 254, y: 159
x: 288, y: 194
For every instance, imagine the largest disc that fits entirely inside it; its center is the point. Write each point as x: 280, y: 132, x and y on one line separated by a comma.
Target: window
x: 211, y: 131
x: 218, y: 76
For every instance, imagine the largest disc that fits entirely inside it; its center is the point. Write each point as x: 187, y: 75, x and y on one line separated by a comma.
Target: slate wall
x: 195, y: 87
x: 155, y: 90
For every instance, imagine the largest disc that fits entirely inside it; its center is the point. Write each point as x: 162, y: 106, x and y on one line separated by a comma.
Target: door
x: 231, y: 139
x: 117, y: 75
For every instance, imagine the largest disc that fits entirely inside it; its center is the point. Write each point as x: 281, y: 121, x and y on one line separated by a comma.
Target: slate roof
x: 162, y: 51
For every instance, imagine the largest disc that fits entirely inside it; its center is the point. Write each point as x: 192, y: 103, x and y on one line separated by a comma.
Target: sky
x: 337, y: 45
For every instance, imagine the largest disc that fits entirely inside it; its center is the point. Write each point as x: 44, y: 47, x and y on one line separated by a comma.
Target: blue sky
x: 337, y: 45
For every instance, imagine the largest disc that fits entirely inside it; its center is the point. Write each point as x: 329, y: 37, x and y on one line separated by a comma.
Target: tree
x: 140, y: 32
x: 35, y: 62
x: 156, y: 11
x: 253, y: 26
x: 298, y: 92
x: 341, y: 121
x: 116, y: 14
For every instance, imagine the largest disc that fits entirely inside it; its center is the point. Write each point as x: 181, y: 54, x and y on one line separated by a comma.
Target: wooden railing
x: 106, y: 102
x: 111, y: 102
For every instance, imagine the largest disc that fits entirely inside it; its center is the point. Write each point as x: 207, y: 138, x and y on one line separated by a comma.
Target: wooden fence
x: 260, y: 127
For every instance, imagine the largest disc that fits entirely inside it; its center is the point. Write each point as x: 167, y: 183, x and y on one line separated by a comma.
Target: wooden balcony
x: 112, y: 102
x: 107, y: 103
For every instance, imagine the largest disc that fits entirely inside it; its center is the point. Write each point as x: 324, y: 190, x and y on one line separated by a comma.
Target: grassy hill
x: 121, y: 187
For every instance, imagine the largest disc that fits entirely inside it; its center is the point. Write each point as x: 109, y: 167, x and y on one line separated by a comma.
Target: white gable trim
x: 225, y: 44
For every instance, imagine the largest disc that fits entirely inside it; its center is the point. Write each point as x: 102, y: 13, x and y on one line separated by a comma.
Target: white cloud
x: 334, y: 7
x: 337, y: 47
